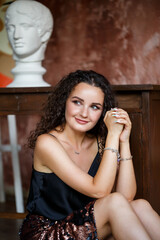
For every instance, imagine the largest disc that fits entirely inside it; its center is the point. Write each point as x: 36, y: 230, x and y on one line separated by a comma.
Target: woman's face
x: 84, y: 107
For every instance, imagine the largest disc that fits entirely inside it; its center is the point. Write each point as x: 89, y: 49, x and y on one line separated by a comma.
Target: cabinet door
x: 154, y: 145
x: 136, y: 150
x: 131, y: 102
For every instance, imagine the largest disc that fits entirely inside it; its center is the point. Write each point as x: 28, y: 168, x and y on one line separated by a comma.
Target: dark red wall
x: 119, y: 39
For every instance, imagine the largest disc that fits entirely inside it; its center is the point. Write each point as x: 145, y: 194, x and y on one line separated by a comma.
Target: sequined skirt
x: 80, y: 225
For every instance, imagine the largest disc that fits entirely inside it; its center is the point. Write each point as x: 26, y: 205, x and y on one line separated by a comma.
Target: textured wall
x: 118, y: 38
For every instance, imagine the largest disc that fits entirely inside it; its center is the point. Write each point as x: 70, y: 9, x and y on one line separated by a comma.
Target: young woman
x: 76, y: 165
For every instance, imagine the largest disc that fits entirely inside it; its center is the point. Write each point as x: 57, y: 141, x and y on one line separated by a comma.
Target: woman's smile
x: 84, y: 107
x: 80, y: 121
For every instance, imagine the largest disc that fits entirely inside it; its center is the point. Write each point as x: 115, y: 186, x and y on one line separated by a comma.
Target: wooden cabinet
x: 143, y: 104
x: 23, y: 100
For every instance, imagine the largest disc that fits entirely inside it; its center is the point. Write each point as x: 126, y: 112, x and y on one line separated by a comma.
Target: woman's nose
x: 84, y: 111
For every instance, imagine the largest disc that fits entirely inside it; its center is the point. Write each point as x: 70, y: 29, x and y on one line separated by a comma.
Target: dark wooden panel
x: 136, y: 150
x: 154, y: 163
x: 23, y: 100
x: 146, y: 143
x: 22, y: 104
x: 136, y: 88
x: 129, y: 101
x: 9, y: 228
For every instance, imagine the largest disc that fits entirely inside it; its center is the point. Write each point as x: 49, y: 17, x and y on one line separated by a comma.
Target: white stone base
x: 28, y: 75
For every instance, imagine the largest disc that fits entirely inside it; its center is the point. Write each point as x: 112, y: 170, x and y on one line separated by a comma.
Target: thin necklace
x: 76, y: 152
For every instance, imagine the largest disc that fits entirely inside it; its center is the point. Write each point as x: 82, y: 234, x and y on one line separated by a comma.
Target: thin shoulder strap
x: 98, y: 144
x: 51, y: 135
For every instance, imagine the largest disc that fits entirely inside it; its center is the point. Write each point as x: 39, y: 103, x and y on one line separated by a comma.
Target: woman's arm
x: 50, y: 153
x: 126, y: 182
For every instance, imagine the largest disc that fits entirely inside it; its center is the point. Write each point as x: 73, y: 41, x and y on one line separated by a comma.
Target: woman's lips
x: 81, y: 121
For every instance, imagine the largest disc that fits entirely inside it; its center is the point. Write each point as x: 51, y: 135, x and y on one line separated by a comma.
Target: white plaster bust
x: 29, y: 26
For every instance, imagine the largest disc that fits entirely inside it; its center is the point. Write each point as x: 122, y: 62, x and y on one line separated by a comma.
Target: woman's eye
x: 95, y: 107
x: 76, y: 102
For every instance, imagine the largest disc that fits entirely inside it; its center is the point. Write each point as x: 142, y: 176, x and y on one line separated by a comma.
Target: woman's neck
x: 75, y: 139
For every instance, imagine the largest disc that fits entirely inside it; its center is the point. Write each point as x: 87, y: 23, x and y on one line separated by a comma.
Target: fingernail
x: 118, y: 121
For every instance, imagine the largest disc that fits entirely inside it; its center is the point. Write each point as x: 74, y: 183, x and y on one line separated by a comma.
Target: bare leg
x: 110, y: 237
x: 149, y: 218
x: 114, y: 214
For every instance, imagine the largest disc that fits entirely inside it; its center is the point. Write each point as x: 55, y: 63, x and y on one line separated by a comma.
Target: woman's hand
x: 117, y: 121
x: 111, y: 123
x: 123, y: 119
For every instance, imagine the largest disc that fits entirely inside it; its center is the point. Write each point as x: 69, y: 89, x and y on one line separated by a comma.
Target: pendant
x: 76, y: 152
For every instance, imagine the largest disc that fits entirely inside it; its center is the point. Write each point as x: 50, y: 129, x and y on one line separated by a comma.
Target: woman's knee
x: 141, y: 205
x: 107, y: 205
x: 106, y: 209
x: 117, y: 200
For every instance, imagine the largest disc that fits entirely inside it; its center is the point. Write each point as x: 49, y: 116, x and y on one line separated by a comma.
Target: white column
x: 2, y: 194
x: 15, y: 163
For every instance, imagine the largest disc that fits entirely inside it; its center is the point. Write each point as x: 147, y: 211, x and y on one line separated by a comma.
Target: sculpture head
x: 29, y: 26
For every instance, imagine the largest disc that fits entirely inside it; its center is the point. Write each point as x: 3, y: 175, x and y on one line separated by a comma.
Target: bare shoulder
x: 45, y: 141
x: 47, y: 147
x: 43, y: 138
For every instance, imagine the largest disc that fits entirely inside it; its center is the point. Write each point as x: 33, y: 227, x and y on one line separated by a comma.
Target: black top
x: 50, y: 197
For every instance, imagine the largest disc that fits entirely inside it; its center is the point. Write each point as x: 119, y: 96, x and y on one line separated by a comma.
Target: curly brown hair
x: 54, y: 111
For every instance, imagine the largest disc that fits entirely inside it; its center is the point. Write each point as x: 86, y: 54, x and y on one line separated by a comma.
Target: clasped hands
x: 118, y: 122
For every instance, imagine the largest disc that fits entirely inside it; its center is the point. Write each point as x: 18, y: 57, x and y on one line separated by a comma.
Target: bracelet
x: 125, y: 159
x: 114, y: 151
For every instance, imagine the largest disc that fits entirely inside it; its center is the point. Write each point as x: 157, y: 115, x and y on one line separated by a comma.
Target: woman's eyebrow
x: 97, y: 104
x: 83, y: 101
x: 78, y: 98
